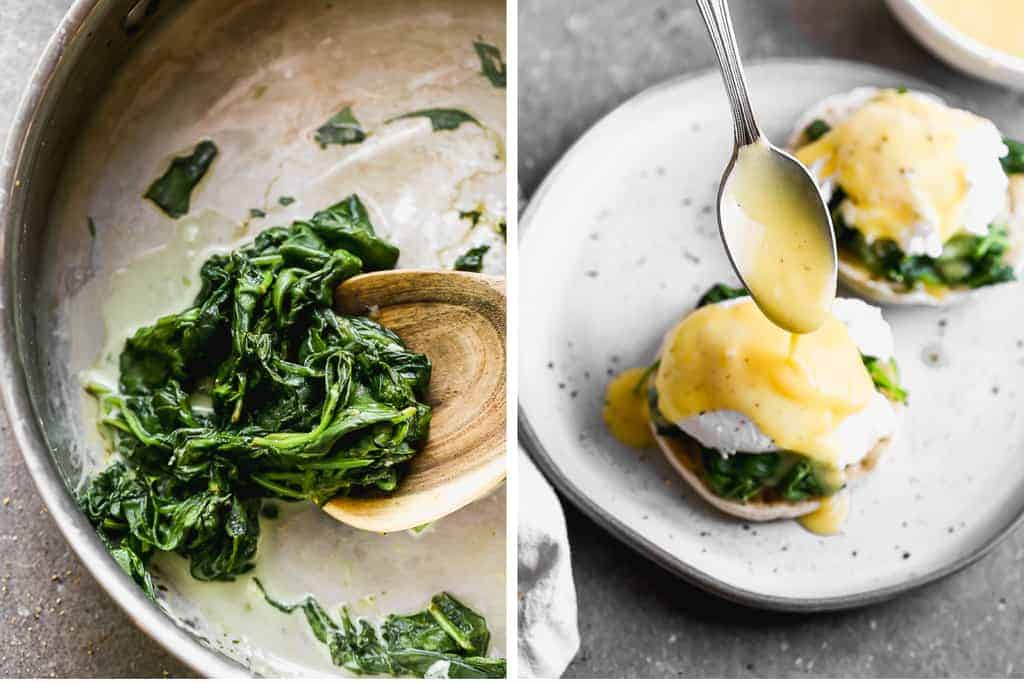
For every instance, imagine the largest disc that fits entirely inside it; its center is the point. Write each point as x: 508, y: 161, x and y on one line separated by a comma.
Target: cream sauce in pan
x: 258, y: 78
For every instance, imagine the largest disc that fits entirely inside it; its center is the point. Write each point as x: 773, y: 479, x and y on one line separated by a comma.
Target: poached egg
x: 736, y: 383
x: 914, y: 170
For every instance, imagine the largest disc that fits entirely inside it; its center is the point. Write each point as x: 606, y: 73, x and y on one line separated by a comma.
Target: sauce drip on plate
x: 828, y: 519
x: 625, y: 408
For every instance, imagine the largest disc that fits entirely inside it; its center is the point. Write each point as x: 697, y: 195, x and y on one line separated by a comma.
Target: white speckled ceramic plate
x: 618, y: 244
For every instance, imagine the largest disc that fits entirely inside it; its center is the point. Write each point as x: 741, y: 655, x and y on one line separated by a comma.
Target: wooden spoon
x: 458, y: 320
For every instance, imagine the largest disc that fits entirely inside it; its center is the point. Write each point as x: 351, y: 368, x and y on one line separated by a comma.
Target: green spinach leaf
x: 440, y: 119
x: 447, y: 639
x: 1013, y: 162
x: 779, y: 475
x: 721, y: 292
x: 173, y: 190
x: 967, y: 261
x: 816, y: 130
x: 340, y: 129
x: 472, y: 216
x: 473, y: 260
x: 491, y: 64
x: 886, y: 376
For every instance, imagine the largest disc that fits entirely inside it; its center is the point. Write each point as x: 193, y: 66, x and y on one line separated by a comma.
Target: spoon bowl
x: 458, y: 320
x: 777, y: 232
x: 774, y: 222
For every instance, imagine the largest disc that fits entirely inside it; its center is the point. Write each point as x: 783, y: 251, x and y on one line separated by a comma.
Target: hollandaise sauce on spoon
x: 774, y: 222
x: 779, y: 236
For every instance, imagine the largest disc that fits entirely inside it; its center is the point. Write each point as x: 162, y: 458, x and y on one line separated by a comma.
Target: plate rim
x: 531, y: 442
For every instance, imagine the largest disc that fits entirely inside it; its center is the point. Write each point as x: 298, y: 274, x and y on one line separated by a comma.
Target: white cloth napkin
x: 548, y: 634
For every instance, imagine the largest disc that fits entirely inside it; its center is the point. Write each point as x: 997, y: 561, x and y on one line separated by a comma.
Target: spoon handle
x: 723, y: 39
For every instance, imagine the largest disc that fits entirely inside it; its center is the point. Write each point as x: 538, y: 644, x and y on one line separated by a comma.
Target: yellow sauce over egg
x: 995, y: 23
x: 625, y: 408
x: 782, y: 250
x: 796, y: 389
x: 898, y: 158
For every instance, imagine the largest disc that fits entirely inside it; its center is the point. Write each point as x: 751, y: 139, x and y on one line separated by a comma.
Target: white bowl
x: 957, y: 48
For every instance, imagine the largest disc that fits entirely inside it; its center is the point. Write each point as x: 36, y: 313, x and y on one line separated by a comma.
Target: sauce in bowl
x: 994, y: 23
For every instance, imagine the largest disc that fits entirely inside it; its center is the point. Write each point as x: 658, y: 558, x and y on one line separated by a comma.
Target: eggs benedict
x: 762, y: 423
x: 927, y: 200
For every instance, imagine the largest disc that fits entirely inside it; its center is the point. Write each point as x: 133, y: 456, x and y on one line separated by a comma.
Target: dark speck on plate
x: 591, y: 273
x: 687, y: 201
x: 692, y: 258
x: 551, y: 365
x: 934, y: 356
x: 561, y: 385
x: 906, y: 556
x: 706, y: 209
x: 573, y: 393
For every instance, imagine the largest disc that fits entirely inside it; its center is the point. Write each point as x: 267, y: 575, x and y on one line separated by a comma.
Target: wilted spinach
x: 816, y: 130
x: 966, y: 261
x: 307, y: 404
x: 780, y: 475
x: 1013, y: 162
x: 440, y: 119
x: 473, y: 216
x: 721, y: 292
x: 173, y: 190
x: 340, y: 129
x: 491, y: 64
x: 886, y: 377
x: 447, y: 639
x: 473, y: 260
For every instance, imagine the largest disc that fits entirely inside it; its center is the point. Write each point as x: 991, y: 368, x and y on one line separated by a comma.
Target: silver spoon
x: 789, y: 266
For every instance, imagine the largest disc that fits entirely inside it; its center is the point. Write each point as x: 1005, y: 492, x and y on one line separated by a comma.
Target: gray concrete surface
x: 578, y: 59
x: 55, y: 621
